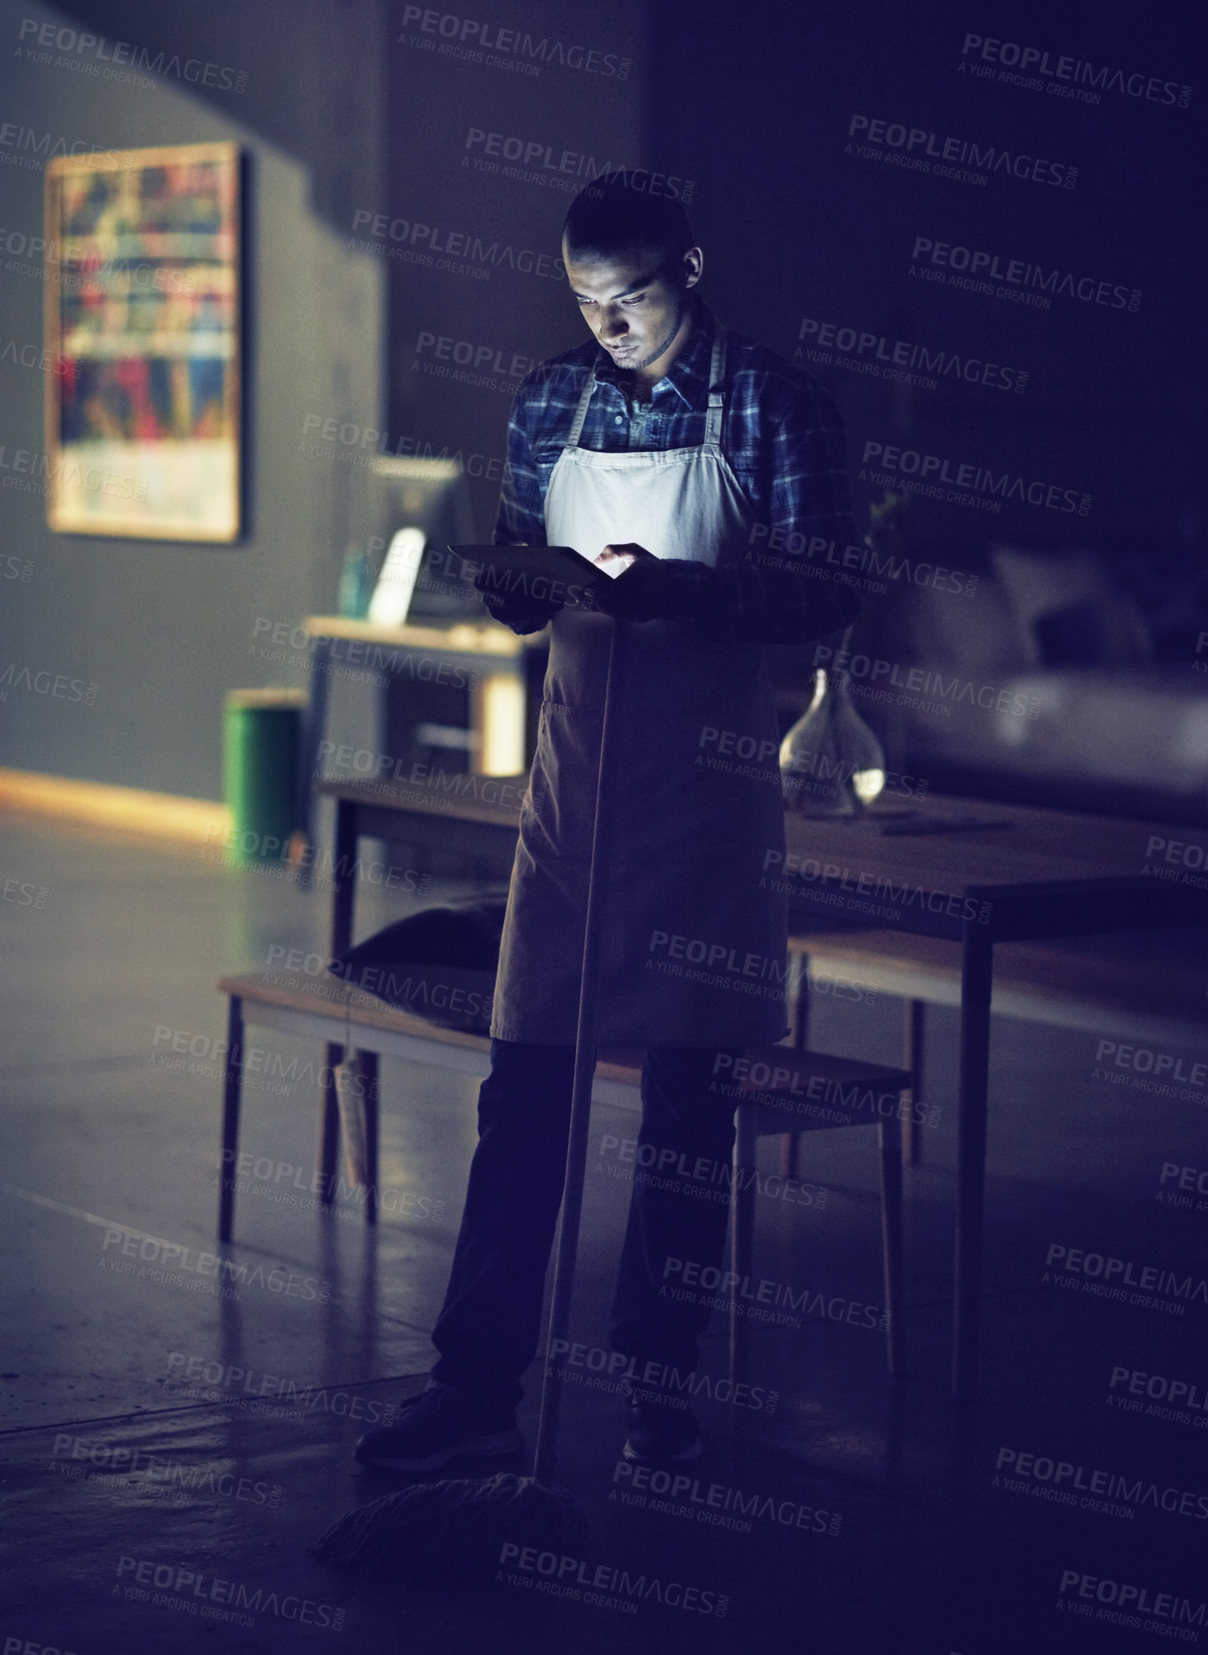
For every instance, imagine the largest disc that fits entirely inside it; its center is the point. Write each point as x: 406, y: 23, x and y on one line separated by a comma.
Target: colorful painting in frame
x: 143, y: 325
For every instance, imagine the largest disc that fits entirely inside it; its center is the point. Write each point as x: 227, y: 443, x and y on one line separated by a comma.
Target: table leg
x: 329, y: 1124
x: 343, y: 878
x: 232, y: 1088
x: 368, y: 1069
x: 742, y: 1234
x: 344, y: 885
x: 889, y: 1133
x: 914, y: 1034
x: 310, y: 765
x: 799, y: 1018
x: 977, y: 970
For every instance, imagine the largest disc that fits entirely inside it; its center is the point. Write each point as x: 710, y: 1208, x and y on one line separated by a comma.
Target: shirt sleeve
x: 520, y: 520
x: 521, y: 516
x: 805, y: 483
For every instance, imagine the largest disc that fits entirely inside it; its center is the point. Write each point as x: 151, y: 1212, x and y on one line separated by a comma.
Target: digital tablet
x: 553, y: 574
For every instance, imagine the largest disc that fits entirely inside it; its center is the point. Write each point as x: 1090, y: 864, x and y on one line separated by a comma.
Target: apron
x: 694, y: 941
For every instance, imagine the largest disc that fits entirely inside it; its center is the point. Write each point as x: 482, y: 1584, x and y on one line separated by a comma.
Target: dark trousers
x: 488, y: 1330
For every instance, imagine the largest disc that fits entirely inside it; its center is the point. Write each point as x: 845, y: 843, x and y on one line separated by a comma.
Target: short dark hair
x: 611, y: 216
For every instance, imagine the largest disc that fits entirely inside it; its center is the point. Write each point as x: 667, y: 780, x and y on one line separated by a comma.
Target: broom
x: 452, y: 1532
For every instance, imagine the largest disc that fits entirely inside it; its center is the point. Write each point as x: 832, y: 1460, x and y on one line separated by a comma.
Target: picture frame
x: 144, y: 337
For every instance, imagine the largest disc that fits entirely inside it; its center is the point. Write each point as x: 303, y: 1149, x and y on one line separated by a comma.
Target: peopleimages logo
x: 664, y: 1166
x: 177, y: 1586
x: 50, y: 36
x: 207, y: 1380
x: 419, y: 243
x: 768, y: 538
x: 473, y: 41
x: 162, y: 1260
x: 585, y: 1582
x: 22, y: 893
x: 43, y: 682
x: 938, y: 474
x: 330, y: 435
x: 946, y: 157
x: 170, y: 1478
x: 976, y: 270
x: 1182, y: 858
x: 809, y: 870
x: 764, y: 1300
x: 876, y: 354
x: 611, y: 1370
x: 534, y: 161
x: 1123, y: 1604
x: 34, y: 472
x: 1036, y: 62
x: 1191, y: 1187
x: 45, y: 146
x: 718, y: 1504
x: 1102, y: 1269
x: 1113, y: 1485
x: 1183, y: 1400
x: 1148, y: 1060
x: 796, y: 1092
x: 857, y: 670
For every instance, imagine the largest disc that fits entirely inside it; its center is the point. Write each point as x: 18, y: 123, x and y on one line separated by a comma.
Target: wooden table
x: 480, y: 821
x: 485, y: 651
x: 1036, y: 874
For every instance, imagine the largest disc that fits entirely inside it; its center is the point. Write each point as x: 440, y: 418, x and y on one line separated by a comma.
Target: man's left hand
x: 632, y: 594
x: 614, y: 560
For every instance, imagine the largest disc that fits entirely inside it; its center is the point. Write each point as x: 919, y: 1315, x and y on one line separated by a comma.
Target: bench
x: 781, y: 1091
x: 1058, y: 984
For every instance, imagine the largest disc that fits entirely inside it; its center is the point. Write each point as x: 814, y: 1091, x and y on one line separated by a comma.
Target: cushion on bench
x: 439, y: 964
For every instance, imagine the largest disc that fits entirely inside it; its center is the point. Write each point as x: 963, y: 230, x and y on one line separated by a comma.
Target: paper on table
x: 910, y: 822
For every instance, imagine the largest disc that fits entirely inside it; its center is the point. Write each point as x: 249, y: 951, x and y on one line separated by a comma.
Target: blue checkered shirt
x: 782, y: 437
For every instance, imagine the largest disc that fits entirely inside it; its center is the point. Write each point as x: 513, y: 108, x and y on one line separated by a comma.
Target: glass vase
x: 831, y: 763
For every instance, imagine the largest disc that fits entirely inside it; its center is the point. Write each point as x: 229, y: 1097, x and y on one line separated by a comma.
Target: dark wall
x: 799, y: 228
x: 565, y: 92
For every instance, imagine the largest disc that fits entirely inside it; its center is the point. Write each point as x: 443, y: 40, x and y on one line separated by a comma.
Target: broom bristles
x: 453, y: 1532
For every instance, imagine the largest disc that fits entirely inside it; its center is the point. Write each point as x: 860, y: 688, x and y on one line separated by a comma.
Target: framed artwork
x: 143, y: 330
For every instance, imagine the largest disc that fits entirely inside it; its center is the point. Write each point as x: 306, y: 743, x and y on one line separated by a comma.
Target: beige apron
x: 694, y: 948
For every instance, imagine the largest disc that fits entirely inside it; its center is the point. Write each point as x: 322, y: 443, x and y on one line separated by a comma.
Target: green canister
x: 262, y: 732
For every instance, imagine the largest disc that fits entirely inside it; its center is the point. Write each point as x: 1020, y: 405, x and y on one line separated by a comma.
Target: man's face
x: 634, y: 308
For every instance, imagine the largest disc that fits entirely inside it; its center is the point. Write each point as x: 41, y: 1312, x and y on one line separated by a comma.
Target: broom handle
x: 580, y: 1102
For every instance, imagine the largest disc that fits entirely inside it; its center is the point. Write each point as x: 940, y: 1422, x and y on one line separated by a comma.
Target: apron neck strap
x: 717, y: 379
x: 576, y: 429
x: 713, y: 415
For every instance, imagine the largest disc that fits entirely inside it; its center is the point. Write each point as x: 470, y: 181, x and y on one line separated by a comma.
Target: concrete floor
x: 142, y: 1444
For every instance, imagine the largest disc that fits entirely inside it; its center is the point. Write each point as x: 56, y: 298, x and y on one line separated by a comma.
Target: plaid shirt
x: 782, y: 438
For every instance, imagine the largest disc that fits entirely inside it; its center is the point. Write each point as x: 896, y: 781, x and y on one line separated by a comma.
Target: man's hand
x: 614, y: 560
x: 515, y: 610
x: 638, y: 589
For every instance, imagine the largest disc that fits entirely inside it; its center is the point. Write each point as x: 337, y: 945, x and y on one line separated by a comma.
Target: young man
x: 668, y: 448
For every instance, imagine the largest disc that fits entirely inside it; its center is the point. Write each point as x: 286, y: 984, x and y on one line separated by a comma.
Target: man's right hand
x: 518, y: 611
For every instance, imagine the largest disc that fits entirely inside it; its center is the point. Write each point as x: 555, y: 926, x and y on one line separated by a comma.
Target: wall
x: 490, y: 138
x: 164, y: 628
x: 802, y: 229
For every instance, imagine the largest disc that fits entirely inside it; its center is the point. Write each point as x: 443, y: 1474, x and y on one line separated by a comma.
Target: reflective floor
x: 172, y: 1446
